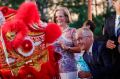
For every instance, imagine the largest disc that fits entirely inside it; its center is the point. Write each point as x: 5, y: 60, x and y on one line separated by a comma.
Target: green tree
x: 78, y: 7
x: 11, y: 3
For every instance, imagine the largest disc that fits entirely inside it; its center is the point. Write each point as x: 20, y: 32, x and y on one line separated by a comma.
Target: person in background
x: 96, y: 57
x: 111, y: 28
x: 90, y: 24
x: 81, y: 64
x: 66, y: 45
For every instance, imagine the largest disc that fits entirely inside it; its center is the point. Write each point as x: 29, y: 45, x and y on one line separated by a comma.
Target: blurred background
x: 78, y: 8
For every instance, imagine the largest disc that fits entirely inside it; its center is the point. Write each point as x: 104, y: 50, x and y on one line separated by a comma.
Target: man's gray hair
x: 86, y: 32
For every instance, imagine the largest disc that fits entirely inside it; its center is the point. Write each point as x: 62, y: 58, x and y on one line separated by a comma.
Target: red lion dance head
x: 26, y: 32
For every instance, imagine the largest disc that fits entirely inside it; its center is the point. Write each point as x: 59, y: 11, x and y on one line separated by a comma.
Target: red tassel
x: 6, y: 74
x: 52, y: 32
x: 28, y: 12
x: 28, y: 72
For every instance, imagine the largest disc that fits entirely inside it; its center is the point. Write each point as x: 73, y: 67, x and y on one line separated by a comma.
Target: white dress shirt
x: 90, y: 49
x: 116, y: 24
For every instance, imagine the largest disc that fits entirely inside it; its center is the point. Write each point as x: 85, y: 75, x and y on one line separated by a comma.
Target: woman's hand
x: 63, y: 46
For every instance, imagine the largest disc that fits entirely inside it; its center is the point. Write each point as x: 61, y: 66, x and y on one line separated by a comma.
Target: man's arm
x: 110, y: 44
x: 106, y: 59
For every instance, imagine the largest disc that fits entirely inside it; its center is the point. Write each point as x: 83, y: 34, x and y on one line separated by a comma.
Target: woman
x: 66, y: 45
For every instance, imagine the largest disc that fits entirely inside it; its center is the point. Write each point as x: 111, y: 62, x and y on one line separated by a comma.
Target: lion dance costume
x: 26, y: 50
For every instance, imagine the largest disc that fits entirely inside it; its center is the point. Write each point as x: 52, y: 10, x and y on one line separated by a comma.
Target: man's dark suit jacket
x: 99, y: 62
x: 109, y: 33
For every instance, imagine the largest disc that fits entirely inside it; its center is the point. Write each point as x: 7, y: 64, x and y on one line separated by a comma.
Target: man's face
x: 116, y: 5
x: 84, y: 41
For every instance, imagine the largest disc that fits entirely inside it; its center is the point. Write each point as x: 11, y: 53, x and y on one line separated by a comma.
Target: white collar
x: 117, y: 16
x: 90, y: 49
x: 116, y: 23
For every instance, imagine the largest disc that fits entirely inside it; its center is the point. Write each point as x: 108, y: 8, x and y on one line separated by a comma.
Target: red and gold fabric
x: 6, y: 74
x: 8, y: 13
x: 26, y: 46
x: 28, y: 72
x: 50, y: 70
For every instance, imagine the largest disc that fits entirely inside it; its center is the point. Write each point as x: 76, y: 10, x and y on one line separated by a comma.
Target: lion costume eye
x: 10, y: 35
x: 27, y: 47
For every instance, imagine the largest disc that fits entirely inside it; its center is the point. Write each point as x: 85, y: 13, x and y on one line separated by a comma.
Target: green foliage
x: 11, y: 3
x: 42, y: 4
x: 99, y: 22
x: 0, y: 3
x: 75, y: 6
x: 81, y: 10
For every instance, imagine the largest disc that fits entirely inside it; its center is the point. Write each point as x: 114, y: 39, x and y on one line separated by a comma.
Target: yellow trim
x: 12, y: 14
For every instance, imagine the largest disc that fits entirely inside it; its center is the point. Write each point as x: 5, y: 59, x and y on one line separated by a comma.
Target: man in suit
x: 111, y: 27
x: 95, y: 56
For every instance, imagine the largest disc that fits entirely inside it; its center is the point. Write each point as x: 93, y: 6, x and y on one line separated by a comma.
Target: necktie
x: 118, y: 27
x: 90, y: 53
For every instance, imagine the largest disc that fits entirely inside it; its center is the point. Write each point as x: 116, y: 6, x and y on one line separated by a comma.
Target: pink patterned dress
x: 67, y: 62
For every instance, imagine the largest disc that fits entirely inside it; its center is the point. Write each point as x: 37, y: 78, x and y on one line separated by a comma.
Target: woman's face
x: 60, y: 18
